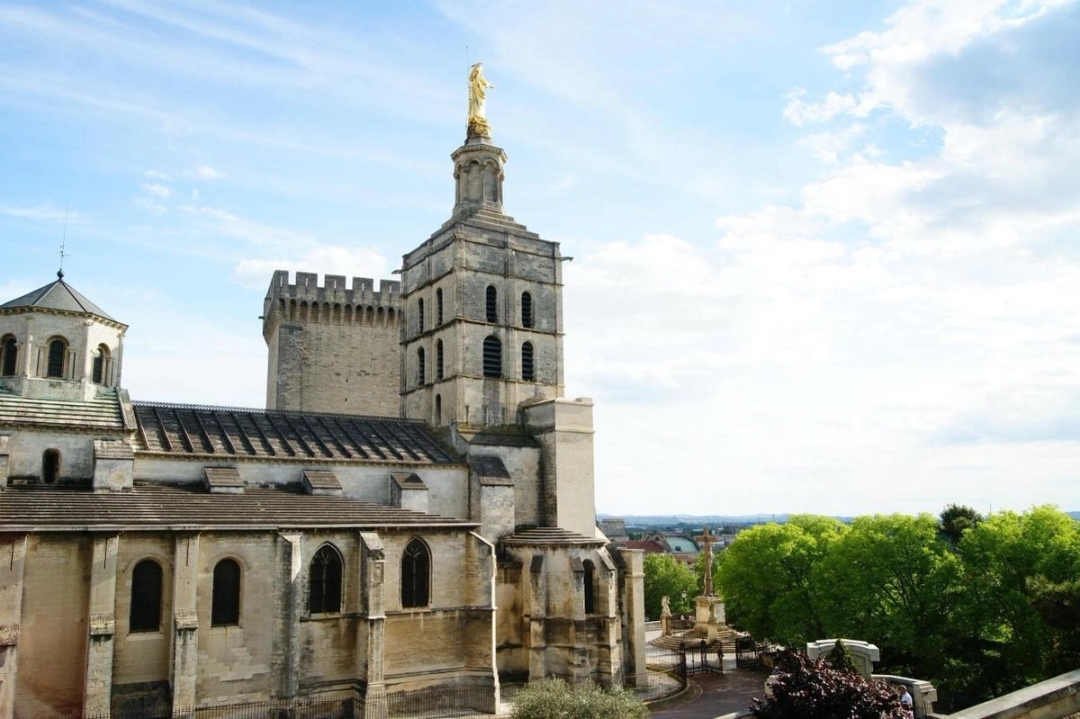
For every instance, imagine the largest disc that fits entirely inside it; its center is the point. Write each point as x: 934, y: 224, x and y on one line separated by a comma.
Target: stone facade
x: 450, y: 516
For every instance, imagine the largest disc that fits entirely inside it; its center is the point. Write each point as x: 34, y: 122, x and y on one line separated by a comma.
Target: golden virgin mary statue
x: 478, y: 85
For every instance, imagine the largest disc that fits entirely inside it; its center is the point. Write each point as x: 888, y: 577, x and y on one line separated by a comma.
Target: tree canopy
x: 666, y: 576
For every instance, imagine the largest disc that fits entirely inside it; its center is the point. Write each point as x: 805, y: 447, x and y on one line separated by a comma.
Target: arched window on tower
x: 420, y: 315
x: 57, y: 358
x: 416, y: 575
x: 590, y: 587
x: 420, y: 378
x: 145, y: 615
x: 528, y: 369
x: 100, y: 373
x: 438, y: 360
x: 438, y: 307
x: 324, y: 582
x: 50, y: 466
x: 9, y: 354
x: 492, y: 356
x: 526, y: 309
x: 225, y: 601
x: 492, y: 304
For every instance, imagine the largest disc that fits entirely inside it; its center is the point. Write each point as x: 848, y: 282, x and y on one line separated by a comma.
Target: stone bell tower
x: 482, y: 303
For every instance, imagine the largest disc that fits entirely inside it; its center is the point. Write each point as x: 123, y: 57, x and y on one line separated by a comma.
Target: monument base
x: 709, y: 617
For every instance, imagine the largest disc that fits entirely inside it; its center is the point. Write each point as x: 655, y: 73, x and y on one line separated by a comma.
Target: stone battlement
x: 334, y: 290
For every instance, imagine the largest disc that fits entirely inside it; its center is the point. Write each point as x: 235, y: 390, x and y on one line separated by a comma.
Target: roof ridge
x: 263, y: 410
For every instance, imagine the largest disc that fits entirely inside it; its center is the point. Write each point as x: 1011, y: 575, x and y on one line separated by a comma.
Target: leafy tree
x: 1014, y: 566
x: 1058, y: 603
x: 957, y: 519
x: 666, y: 576
x: 555, y: 699
x: 814, y: 690
x: 893, y: 581
x: 766, y: 577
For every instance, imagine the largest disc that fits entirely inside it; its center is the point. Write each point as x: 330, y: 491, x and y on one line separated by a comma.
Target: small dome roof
x: 57, y: 295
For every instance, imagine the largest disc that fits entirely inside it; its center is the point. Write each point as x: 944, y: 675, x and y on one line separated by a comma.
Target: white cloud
x: 564, y: 183
x: 327, y: 259
x: 231, y: 225
x: 157, y: 190
x: 204, y: 172
x: 800, y: 113
x: 157, y: 175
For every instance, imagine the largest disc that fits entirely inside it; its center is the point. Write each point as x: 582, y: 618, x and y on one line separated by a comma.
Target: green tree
x: 555, y: 699
x: 957, y: 519
x: 665, y: 576
x: 1014, y: 565
x: 839, y: 657
x: 766, y: 574
x: 891, y: 580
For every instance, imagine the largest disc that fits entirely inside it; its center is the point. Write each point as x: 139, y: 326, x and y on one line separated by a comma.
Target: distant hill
x: 699, y: 520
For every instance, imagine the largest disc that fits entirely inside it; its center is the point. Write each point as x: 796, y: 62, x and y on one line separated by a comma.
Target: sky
x: 826, y: 253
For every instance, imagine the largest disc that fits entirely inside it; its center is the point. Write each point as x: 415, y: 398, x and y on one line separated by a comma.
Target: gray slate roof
x: 151, y: 506
x: 57, y: 295
x: 103, y: 412
x: 227, y: 432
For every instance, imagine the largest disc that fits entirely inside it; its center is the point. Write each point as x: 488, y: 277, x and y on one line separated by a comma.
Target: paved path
x: 721, y: 694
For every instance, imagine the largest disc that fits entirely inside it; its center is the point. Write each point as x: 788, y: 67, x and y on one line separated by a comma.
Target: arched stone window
x: 324, y: 581
x: 590, y: 587
x: 9, y: 354
x: 438, y: 409
x: 420, y: 367
x: 225, y: 606
x: 492, y: 356
x: 420, y: 315
x: 145, y: 615
x: 416, y: 575
x: 101, y: 365
x: 438, y: 307
x: 50, y: 466
x: 438, y: 360
x: 528, y: 369
x: 526, y: 309
x: 57, y: 358
x: 492, y: 304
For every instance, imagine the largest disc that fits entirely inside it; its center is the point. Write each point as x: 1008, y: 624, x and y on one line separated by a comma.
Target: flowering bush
x: 555, y: 699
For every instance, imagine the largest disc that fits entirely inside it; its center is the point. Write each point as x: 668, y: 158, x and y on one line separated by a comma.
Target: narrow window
x: 101, y: 359
x: 57, y: 354
x: 526, y: 310
x: 492, y: 356
x: 528, y: 369
x: 420, y: 316
x: 438, y: 360
x: 10, y: 352
x: 438, y: 306
x: 420, y: 367
x: 492, y: 304
x: 324, y: 587
x: 50, y: 466
x: 438, y: 409
x: 225, y: 608
x: 145, y: 597
x: 590, y: 587
x: 415, y: 575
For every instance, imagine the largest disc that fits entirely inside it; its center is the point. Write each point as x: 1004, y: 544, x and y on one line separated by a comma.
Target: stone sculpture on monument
x: 478, y: 86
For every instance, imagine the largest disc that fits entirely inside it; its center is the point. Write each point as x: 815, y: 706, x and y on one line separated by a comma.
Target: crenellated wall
x: 332, y: 348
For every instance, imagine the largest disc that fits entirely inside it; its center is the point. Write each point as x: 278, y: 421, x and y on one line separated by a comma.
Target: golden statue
x: 478, y: 85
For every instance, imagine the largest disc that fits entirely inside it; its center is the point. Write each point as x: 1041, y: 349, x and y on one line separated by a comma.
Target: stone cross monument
x: 706, y: 541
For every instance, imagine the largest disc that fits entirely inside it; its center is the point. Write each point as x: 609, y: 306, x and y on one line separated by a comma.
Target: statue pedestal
x: 708, y: 616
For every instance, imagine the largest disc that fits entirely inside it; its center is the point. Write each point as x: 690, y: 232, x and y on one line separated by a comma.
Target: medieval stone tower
x: 483, y: 307
x: 331, y: 348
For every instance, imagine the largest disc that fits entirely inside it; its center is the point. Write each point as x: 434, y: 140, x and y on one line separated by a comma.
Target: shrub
x: 813, y: 690
x: 555, y: 699
x: 840, y: 658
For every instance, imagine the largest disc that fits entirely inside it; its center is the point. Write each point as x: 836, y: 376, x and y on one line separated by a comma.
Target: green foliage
x: 957, y: 519
x: 814, y: 690
x: 840, y: 659
x: 665, y: 576
x: 766, y: 578
x: 555, y: 699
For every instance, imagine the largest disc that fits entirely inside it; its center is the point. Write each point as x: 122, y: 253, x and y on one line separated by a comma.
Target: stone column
x: 13, y: 551
x: 373, y: 561
x: 634, y: 608
x: 535, y: 591
x: 292, y: 601
x: 186, y: 631
x: 97, y: 695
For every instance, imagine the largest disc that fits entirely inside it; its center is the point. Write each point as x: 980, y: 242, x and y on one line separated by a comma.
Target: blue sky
x: 826, y: 254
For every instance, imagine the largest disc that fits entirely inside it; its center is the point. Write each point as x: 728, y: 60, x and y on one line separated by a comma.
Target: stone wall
x: 332, y: 349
